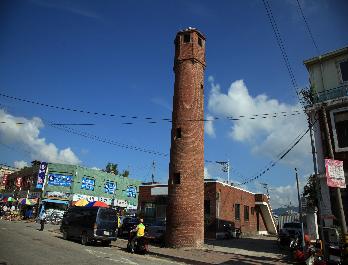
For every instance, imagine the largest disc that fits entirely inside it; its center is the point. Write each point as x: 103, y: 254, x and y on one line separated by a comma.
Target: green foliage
x: 125, y: 173
x: 111, y: 168
x: 310, y: 191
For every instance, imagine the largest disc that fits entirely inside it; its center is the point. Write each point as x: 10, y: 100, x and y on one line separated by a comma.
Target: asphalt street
x: 22, y: 244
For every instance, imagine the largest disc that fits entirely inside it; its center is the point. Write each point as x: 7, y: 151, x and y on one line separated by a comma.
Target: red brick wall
x: 185, y: 205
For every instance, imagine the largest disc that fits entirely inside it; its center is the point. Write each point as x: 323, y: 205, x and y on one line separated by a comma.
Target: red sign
x: 334, y: 173
x: 5, y: 180
x: 19, y: 181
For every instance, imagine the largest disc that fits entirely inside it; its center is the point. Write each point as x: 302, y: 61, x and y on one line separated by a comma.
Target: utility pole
x: 300, y: 208
x: 342, y: 217
x: 153, y: 172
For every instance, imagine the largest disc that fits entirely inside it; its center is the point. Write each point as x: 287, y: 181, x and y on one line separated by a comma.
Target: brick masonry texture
x: 185, y: 218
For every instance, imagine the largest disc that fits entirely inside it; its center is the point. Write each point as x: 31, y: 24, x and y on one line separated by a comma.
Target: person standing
x: 42, y: 220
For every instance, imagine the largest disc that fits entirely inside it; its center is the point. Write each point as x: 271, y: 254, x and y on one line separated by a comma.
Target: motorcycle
x: 141, y: 245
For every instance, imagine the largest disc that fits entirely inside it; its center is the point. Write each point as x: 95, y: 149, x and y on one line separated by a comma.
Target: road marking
x: 121, y: 260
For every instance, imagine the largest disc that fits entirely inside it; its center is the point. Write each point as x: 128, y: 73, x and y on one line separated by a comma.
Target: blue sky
x: 116, y: 57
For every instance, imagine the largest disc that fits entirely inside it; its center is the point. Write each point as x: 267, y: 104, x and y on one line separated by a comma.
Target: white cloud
x: 206, y: 173
x: 27, y: 136
x: 209, y: 127
x: 282, y: 196
x: 20, y: 164
x: 267, y: 136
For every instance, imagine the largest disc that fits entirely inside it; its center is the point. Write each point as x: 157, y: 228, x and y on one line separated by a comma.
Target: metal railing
x: 334, y: 93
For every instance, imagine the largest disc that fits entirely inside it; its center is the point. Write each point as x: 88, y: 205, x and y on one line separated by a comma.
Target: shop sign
x: 334, y: 173
x: 131, y: 207
x: 89, y: 198
x: 59, y: 180
x: 57, y: 195
x: 88, y: 184
x: 41, y: 175
x: 131, y: 191
x: 34, y: 195
x: 110, y: 187
x: 105, y: 200
x: 121, y: 203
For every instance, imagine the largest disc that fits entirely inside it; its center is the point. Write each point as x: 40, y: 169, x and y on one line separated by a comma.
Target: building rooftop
x: 326, y: 56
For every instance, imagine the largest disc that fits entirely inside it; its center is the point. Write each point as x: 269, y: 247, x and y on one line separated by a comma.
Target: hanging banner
x: 59, y: 180
x: 334, y: 173
x: 41, y: 175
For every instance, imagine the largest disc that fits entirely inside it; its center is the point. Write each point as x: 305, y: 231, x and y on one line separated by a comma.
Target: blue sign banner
x: 88, y: 184
x: 110, y: 187
x: 59, y: 180
x: 131, y: 191
x: 41, y: 175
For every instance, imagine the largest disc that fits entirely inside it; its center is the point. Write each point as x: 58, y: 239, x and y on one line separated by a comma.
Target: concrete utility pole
x: 342, y: 217
x: 300, y: 208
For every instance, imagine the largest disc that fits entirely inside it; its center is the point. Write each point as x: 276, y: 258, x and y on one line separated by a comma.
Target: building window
x: 339, y: 123
x: 246, y: 213
x: 344, y: 70
x: 252, y: 210
x: 178, y: 133
x: 149, y: 210
x: 201, y: 86
x: 176, y: 179
x: 200, y: 42
x: 187, y: 38
x: 237, y: 211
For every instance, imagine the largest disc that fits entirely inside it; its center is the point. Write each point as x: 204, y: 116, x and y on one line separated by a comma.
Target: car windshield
x: 107, y: 214
x: 292, y: 225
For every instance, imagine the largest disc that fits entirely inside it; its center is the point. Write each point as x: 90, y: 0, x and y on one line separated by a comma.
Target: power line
x: 280, y: 44
x: 307, y: 26
x: 152, y: 120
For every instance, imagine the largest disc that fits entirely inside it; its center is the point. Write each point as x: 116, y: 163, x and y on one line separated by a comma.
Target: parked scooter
x: 141, y: 245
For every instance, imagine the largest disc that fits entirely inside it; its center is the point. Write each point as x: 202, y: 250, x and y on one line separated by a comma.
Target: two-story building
x: 327, y: 106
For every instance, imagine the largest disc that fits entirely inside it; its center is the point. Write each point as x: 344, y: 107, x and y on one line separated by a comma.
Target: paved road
x: 22, y: 243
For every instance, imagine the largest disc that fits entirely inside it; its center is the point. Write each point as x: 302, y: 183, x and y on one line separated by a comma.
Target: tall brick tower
x: 185, y: 211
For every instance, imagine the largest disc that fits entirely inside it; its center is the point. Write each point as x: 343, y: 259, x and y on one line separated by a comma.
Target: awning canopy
x: 55, y: 201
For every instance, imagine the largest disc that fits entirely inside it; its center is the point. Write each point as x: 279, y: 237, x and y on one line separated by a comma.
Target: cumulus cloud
x: 209, y: 127
x: 20, y: 164
x: 27, y: 135
x: 282, y: 196
x: 266, y: 136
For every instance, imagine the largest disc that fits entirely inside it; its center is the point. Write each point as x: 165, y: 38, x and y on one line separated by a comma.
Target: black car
x: 128, y: 223
x: 90, y: 224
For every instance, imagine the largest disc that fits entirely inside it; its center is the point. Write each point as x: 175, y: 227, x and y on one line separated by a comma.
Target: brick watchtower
x: 185, y: 211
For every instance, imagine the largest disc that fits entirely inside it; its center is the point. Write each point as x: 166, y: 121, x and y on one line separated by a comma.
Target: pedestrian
x: 42, y: 220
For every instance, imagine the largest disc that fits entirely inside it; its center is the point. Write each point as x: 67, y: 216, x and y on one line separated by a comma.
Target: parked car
x: 157, y: 230
x: 291, y: 229
x: 127, y: 224
x: 90, y: 224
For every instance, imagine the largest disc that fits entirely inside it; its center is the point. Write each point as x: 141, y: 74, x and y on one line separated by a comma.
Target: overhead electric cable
x: 152, y: 120
x: 280, y: 44
x: 307, y: 26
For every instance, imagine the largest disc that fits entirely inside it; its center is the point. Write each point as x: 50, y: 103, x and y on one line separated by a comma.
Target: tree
x: 310, y: 192
x: 125, y: 173
x: 112, y: 168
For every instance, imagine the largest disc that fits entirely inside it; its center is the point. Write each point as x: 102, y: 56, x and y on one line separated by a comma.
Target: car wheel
x: 65, y: 235
x: 84, y: 239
